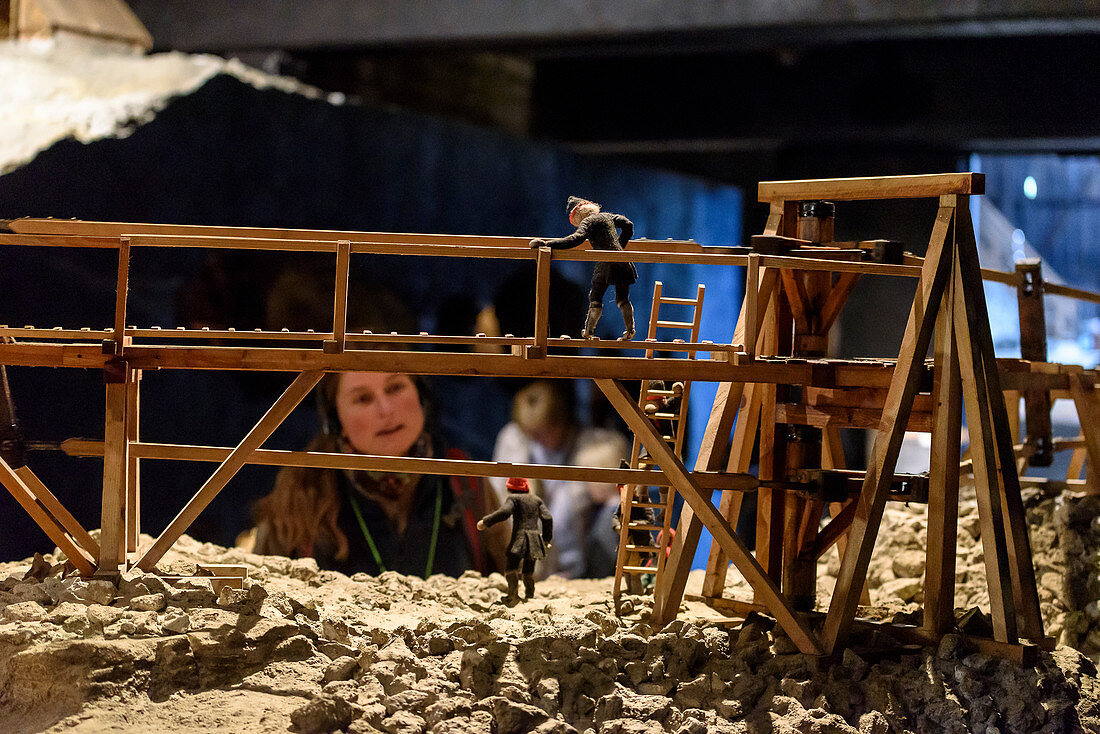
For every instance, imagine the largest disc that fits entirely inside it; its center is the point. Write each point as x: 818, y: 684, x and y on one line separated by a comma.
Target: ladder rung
x: 643, y: 548
x: 666, y: 416
x: 639, y: 569
x: 661, y: 393
x: 654, y: 505
x: 676, y: 324
x: 644, y: 526
x: 680, y: 301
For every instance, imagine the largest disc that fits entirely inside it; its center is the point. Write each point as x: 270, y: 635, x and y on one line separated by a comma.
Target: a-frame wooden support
x: 950, y: 306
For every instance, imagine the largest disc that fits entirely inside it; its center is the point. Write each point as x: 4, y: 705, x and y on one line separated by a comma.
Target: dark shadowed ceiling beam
x: 611, y: 25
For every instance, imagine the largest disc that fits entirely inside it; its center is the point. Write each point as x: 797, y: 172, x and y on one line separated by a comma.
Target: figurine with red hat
x: 601, y: 231
x: 529, y: 543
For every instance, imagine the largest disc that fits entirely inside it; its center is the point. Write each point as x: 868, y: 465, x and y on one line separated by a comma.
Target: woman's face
x: 380, y: 412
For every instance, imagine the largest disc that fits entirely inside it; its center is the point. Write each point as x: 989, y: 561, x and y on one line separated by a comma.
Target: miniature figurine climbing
x: 601, y: 230
x: 528, y: 544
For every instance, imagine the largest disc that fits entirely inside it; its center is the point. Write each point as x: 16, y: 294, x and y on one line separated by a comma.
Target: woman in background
x: 352, y: 521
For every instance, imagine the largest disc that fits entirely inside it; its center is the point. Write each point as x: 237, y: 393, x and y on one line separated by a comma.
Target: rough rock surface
x: 303, y: 650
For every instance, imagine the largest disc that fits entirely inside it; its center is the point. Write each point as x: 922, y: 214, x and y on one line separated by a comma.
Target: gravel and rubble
x: 315, y: 651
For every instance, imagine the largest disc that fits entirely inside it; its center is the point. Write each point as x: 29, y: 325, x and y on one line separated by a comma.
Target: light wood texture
x: 271, y: 420
x: 133, y: 463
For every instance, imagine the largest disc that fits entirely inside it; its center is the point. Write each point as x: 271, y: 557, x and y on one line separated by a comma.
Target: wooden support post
x: 340, y: 300
x: 116, y: 470
x: 700, y: 502
x: 943, y: 481
x: 750, y: 313
x: 133, y: 480
x: 1033, y: 347
x: 1025, y: 592
x: 271, y: 420
x: 122, y: 287
x: 896, y: 410
x: 542, y: 303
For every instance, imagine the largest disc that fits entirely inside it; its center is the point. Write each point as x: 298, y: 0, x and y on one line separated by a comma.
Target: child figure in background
x: 601, y: 231
x: 532, y: 533
x: 545, y: 430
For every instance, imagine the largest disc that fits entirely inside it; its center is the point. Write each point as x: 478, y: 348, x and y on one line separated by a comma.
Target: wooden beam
x: 712, y: 480
x: 1025, y: 591
x: 133, y: 467
x: 542, y: 302
x: 872, y: 187
x: 116, y: 472
x: 60, y: 513
x: 25, y: 497
x: 271, y: 420
x: 700, y: 502
x: 943, y: 484
x: 340, y: 298
x: 838, y: 296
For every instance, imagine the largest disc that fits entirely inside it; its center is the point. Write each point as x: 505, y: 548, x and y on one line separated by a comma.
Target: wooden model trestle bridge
x: 775, y: 374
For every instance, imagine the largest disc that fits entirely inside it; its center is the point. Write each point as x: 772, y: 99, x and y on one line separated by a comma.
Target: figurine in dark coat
x: 600, y: 229
x: 528, y: 543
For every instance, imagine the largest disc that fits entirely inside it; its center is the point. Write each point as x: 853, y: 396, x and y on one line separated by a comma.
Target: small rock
x: 403, y: 722
x: 24, y: 611
x: 177, y: 623
x: 873, y: 722
x: 341, y: 668
x: 904, y: 589
x: 149, y: 603
x: 324, y: 714
x: 908, y: 564
x: 92, y: 591
x: 31, y: 592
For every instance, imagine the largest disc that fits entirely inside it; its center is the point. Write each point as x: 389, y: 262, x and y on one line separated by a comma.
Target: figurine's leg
x: 622, y: 298
x: 511, y: 574
x: 529, y: 578
x: 595, y: 308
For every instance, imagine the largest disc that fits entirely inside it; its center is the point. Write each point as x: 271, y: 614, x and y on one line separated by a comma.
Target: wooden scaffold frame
x: 948, y: 311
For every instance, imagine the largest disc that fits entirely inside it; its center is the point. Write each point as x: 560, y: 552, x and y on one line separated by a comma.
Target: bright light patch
x: 1031, y: 189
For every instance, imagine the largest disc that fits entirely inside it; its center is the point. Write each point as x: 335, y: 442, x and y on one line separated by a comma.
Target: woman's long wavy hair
x: 304, y: 505
x: 305, y: 502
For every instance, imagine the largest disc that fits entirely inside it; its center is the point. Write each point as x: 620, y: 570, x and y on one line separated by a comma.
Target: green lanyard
x: 370, y: 539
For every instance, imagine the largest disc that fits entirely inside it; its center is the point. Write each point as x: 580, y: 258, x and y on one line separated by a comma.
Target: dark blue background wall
x: 231, y: 154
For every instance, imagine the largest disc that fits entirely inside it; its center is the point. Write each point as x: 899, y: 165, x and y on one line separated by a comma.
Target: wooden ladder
x: 635, y: 558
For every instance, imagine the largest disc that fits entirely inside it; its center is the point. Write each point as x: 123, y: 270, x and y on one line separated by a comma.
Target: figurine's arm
x: 547, y: 523
x: 499, y: 515
x: 627, y: 228
x: 564, y: 242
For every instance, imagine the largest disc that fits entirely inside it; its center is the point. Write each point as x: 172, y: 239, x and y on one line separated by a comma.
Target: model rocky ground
x: 305, y: 650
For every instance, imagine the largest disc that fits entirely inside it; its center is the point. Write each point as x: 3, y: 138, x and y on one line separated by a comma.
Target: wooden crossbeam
x: 271, y: 420
x: 700, y: 502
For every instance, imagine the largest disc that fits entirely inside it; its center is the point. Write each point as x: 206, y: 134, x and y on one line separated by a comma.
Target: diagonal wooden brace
x: 896, y: 411
x: 708, y: 514
x: 25, y: 497
x: 274, y: 417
